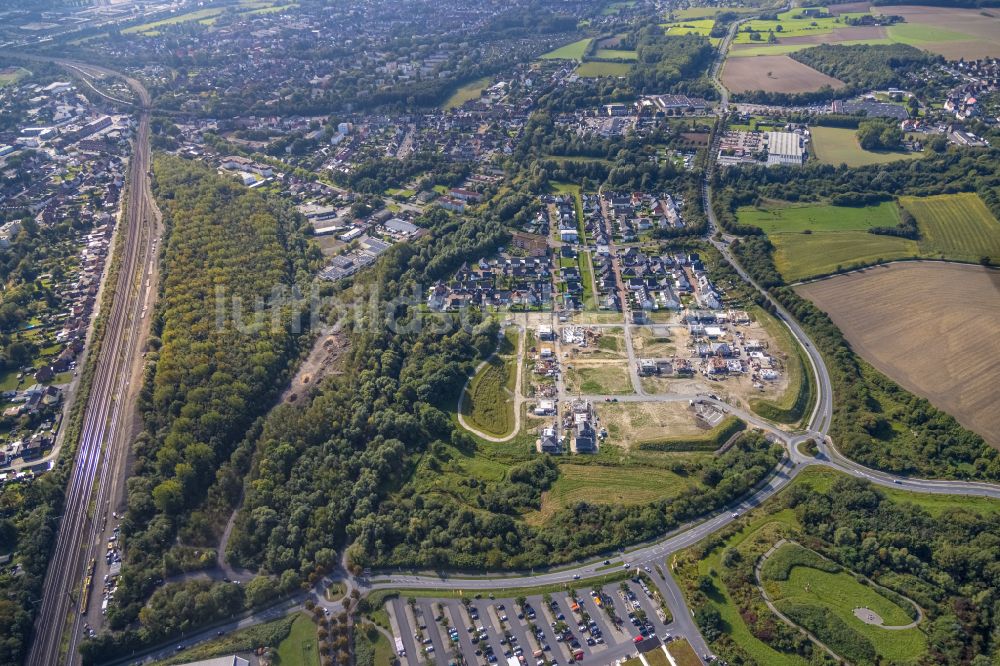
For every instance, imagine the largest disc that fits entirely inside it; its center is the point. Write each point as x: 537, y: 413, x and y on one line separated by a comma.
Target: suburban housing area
x: 615, y: 333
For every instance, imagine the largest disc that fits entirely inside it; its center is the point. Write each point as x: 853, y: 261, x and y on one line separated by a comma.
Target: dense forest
x: 323, y: 466
x: 664, y: 62
x: 862, y: 67
x: 212, y: 367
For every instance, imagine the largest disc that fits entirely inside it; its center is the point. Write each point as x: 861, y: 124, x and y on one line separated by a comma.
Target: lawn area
x: 572, y: 51
x: 837, y: 145
x: 657, y: 658
x: 616, y: 53
x: 371, y: 648
x: 772, y: 522
x: 812, y: 217
x: 592, y: 69
x: 920, y: 34
x: 696, y: 27
x: 467, y: 92
x: 817, y: 239
x: 788, y: 26
x: 813, y: 595
x: 9, y: 380
x: 794, y: 405
x: 683, y: 653
x: 200, y: 15
x: 487, y: 402
x: 594, y: 378
x: 799, y: 256
x: 12, y: 76
x: 299, y: 648
x: 708, y: 12
x: 600, y: 484
x: 587, y: 281
x: 957, y: 226
x: 762, y: 525
x: 269, y: 634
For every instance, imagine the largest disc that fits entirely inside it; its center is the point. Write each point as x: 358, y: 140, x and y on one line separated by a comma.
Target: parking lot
x: 596, y: 626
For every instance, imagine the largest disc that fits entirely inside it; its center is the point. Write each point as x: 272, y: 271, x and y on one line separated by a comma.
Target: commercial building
x: 785, y: 148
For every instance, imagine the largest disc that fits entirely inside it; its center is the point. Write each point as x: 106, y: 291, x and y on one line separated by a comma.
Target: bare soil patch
x: 774, y: 74
x: 322, y: 361
x: 629, y: 423
x: 930, y: 326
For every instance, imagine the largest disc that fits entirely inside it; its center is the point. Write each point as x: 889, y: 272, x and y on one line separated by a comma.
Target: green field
x: 612, y: 54
x: 793, y: 406
x: 615, y: 6
x: 695, y: 27
x: 599, y: 484
x: 815, y: 240
x: 300, y: 648
x: 9, y: 78
x: 919, y: 34
x: 708, y: 12
x: 487, y: 401
x: 593, y: 69
x: 796, y: 219
x: 765, y: 527
x: 821, y: 594
x: 838, y: 145
x: 202, y: 15
x: 956, y: 226
x: 607, y: 379
x: 467, y: 92
x: 791, y: 27
x: 838, y: 237
x: 572, y: 51
x: 799, y: 256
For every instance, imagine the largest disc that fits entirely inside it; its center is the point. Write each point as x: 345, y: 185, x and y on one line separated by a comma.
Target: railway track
x: 101, y: 451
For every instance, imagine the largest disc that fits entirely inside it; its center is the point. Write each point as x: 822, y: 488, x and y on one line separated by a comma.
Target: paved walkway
x: 518, y: 394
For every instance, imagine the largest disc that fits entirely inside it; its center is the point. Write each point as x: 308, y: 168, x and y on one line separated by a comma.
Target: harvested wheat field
x: 774, y: 73
x: 930, y: 326
x: 838, y: 35
x: 952, y: 32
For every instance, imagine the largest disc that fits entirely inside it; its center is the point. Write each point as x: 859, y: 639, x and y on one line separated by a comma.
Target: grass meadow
x: 838, y: 145
x: 955, y: 226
